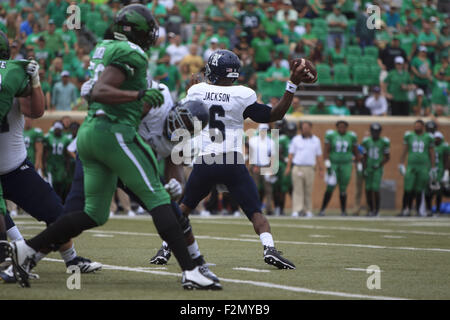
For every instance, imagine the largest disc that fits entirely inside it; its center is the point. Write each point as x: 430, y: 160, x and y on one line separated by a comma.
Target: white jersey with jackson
x: 152, y: 125
x: 12, y: 144
x: 226, y: 105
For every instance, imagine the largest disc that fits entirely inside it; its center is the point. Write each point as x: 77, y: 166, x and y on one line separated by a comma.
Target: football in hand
x: 310, y: 72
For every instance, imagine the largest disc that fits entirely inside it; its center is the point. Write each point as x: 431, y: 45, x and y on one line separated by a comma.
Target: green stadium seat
x: 371, y: 51
x: 342, y: 74
x: 352, y: 59
x: 324, y: 74
x: 353, y: 51
x: 321, y: 33
x: 375, y: 74
x: 361, y: 74
x: 368, y: 60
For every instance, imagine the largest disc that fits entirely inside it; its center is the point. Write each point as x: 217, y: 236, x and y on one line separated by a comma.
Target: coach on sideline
x: 305, y: 152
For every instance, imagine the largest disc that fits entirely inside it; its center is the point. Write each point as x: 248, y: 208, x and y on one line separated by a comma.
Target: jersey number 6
x: 216, y: 110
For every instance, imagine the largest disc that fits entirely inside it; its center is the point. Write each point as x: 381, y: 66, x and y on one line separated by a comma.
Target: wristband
x: 141, y: 94
x: 291, y: 87
x: 327, y: 163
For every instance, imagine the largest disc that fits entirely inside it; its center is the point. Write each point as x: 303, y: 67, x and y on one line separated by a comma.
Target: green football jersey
x: 31, y: 137
x: 418, y: 146
x: 13, y: 81
x: 56, y: 147
x: 132, y: 60
x: 440, y: 151
x: 375, y: 149
x: 341, y: 145
x: 284, y: 147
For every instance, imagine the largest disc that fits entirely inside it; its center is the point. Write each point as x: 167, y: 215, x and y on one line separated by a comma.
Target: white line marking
x: 250, y: 269
x: 361, y: 269
x: 330, y: 244
x: 248, y: 235
x: 153, y: 268
x: 393, y: 237
x: 254, y: 283
x: 100, y: 235
x: 320, y: 236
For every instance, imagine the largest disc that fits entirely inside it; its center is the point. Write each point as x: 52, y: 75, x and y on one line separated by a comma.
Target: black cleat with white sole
x: 85, y: 265
x: 162, y: 256
x: 21, y: 262
x: 273, y: 257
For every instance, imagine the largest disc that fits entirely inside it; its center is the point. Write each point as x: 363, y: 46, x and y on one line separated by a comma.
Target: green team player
x: 15, y: 76
x: 419, y: 146
x: 375, y: 156
x: 57, y: 159
x: 33, y: 142
x: 110, y: 147
x: 340, y: 148
x: 442, y: 151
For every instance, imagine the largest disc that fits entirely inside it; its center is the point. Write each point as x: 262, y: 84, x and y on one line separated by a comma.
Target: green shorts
x: 343, y: 173
x: 416, y: 178
x: 372, y: 178
x: 283, y: 183
x: 110, y: 151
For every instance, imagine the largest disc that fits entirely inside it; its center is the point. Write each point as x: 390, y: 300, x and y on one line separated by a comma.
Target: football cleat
x: 162, y: 256
x: 194, y: 279
x: 343, y: 214
x: 85, y: 265
x: 7, y: 276
x: 322, y: 214
x: 204, y: 269
x: 5, y: 264
x: 273, y: 257
x: 22, y: 257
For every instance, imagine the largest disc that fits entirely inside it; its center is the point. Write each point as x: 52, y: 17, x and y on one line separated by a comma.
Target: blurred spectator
x: 309, y: 38
x: 42, y: 52
x: 440, y: 95
x: 55, y: 70
x: 26, y: 28
x: 300, y: 51
x: 272, y: 26
x: 250, y: 19
x: 261, y: 151
x: 392, y: 17
x: 222, y: 37
x: 387, y: 56
x: 189, y: 12
x: 359, y: 109
x: 408, y: 41
x: 158, y: 10
x: 339, y: 108
x: 193, y: 60
x: 421, y: 69
x: 53, y: 40
x: 337, y: 24
x: 319, y: 108
x: 396, y: 86
x: 242, y: 47
x: 46, y: 89
x: 305, y: 153
x: 218, y: 15
x: 277, y: 76
x: 56, y: 11
x: 15, y: 53
x: 174, y: 21
x: 176, y: 49
x: 247, y: 70
x: 286, y: 12
x: 213, y: 47
x: 291, y: 35
x: 64, y: 93
x: 428, y: 39
x: 377, y: 103
x: 421, y: 105
x: 317, y: 55
x: 336, y: 55
x: 262, y: 46
x: 168, y: 74
x: 296, y: 108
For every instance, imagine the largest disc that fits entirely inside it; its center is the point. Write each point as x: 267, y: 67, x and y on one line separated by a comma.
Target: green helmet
x: 135, y: 23
x: 5, y: 51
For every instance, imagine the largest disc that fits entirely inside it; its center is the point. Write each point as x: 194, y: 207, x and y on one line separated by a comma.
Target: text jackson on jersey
x: 215, y: 96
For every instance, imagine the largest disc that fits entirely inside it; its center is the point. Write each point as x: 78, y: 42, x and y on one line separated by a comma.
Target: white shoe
x: 140, y: 210
x: 277, y: 211
x: 295, y: 214
x: 111, y: 214
x: 194, y: 279
x: 23, y: 261
x: 205, y: 213
x: 13, y: 213
x: 237, y: 213
x: 309, y: 214
x: 131, y: 213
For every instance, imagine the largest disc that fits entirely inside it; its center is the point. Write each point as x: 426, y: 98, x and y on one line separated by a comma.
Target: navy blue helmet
x: 431, y: 126
x: 222, y: 64
x: 184, y: 115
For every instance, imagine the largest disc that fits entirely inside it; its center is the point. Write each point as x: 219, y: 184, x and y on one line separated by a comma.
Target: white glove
x: 33, y: 72
x: 402, y: 169
x: 174, y: 188
x: 327, y: 163
x: 445, y: 177
x: 433, y: 174
x: 359, y: 167
x: 86, y: 89
x: 330, y: 179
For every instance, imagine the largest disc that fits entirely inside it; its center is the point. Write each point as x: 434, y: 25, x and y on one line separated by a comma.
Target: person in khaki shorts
x: 305, y: 152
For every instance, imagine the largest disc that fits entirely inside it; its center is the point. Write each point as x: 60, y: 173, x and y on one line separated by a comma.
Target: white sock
x: 165, y: 245
x: 194, y: 251
x: 39, y: 256
x: 69, y: 254
x: 14, y: 234
x: 266, y: 239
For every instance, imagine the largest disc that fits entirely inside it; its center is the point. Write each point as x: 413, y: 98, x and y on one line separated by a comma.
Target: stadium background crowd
x: 403, y: 65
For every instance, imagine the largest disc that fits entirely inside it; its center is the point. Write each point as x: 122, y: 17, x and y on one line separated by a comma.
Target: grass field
x: 331, y: 255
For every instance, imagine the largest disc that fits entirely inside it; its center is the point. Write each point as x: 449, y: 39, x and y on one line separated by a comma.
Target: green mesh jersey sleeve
x: 126, y: 56
x: 365, y: 145
x: 329, y: 136
x: 406, y: 137
x: 387, y: 145
x: 353, y: 138
x: 13, y: 81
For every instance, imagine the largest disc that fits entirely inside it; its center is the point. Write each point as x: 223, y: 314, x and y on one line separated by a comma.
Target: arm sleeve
x: 258, y: 112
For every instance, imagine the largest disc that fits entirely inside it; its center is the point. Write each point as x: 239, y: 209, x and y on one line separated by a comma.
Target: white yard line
x: 250, y: 269
x: 326, y: 244
x: 101, y: 235
x: 254, y: 283
x: 361, y: 269
x: 387, y: 236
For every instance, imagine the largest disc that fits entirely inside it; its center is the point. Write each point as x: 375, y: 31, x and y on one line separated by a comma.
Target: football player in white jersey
x: 229, y: 106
